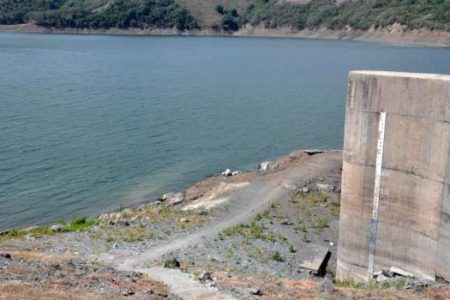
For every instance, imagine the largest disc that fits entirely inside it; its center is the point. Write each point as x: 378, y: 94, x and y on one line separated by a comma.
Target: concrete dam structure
x: 395, y: 201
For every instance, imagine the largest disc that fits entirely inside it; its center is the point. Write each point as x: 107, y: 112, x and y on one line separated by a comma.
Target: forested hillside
x: 228, y: 15
x: 97, y: 13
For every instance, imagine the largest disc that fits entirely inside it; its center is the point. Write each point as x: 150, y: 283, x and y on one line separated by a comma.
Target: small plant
x: 276, y: 256
x: 80, y: 224
x: 292, y: 249
x: 305, y: 238
x: 321, y: 223
x: 258, y: 217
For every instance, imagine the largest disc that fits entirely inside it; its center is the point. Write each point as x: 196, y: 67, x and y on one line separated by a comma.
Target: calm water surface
x: 89, y: 123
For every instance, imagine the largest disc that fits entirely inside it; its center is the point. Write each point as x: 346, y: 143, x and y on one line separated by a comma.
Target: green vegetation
x: 80, y: 224
x: 230, y: 18
x: 97, y: 13
x: 355, y: 14
x: 76, y: 225
x: 292, y: 249
x: 397, y: 283
x: 276, y: 256
x: 359, y: 14
x: 254, y: 230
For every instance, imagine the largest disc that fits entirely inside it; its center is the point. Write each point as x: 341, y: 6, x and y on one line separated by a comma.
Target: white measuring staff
x: 376, y: 192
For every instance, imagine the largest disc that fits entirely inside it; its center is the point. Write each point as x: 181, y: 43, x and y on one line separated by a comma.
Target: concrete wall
x: 413, y: 224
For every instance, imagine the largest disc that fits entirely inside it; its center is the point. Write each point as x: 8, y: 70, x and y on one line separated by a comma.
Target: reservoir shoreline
x: 393, y: 34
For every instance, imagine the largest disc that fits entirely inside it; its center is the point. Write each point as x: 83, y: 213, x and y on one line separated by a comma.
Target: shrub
x: 276, y: 256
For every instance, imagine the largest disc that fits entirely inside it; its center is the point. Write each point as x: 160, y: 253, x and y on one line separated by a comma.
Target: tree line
x: 97, y: 13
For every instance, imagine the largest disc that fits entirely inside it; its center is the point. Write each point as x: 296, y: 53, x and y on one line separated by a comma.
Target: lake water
x: 91, y: 123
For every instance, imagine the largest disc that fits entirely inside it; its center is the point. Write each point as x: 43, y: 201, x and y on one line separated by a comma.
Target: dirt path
x: 242, y: 205
x: 183, y: 285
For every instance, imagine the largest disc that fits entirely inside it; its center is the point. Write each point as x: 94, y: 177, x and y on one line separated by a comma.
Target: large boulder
x: 173, y: 198
x: 267, y: 166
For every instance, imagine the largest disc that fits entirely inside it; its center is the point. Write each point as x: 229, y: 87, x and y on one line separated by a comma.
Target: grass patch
x: 276, y: 256
x: 80, y: 224
x: 394, y: 283
x: 321, y: 223
x: 76, y: 225
x: 254, y: 230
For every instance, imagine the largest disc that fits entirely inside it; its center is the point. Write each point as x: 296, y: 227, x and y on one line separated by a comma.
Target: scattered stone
x: 103, y: 217
x: 184, y: 220
x: 290, y: 186
x: 226, y: 173
x: 173, y: 198
x: 123, y: 223
x: 286, y: 223
x: 323, y: 187
x: 57, y: 228
x: 5, y: 255
x: 267, y: 165
x: 205, y: 276
x: 56, y: 266
x: 149, y: 292
x: 202, y: 212
x: 305, y: 189
x: 126, y: 292
x: 327, y: 288
x: 29, y: 238
x: 127, y: 212
x: 172, y: 264
x: 234, y: 173
x: 381, y: 278
x: 254, y: 291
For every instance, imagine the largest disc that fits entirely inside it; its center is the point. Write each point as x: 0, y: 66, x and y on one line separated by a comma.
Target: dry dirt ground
x: 247, y: 236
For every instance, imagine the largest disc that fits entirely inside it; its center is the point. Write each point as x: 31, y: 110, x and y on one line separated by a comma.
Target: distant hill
x: 229, y: 15
x: 97, y: 13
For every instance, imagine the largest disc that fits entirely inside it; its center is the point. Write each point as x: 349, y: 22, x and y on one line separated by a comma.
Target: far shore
x: 394, y: 34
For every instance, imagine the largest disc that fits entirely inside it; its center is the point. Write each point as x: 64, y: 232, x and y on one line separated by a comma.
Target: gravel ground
x: 258, y: 230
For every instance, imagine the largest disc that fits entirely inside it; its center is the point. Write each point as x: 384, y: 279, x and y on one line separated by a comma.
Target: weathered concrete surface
x: 413, y: 224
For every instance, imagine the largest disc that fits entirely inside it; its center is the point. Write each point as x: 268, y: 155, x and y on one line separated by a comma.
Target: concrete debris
x: 399, y: 272
x: 318, y: 260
